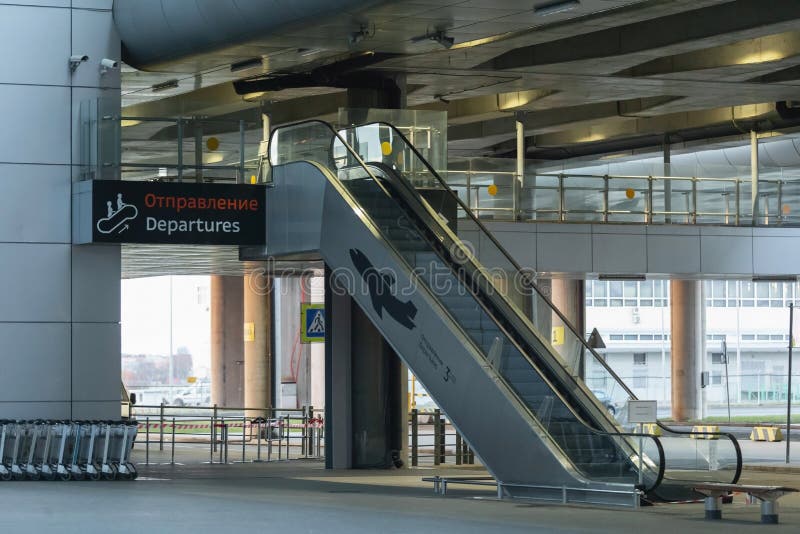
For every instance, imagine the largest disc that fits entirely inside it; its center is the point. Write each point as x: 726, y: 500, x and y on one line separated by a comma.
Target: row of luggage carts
x: 67, y: 450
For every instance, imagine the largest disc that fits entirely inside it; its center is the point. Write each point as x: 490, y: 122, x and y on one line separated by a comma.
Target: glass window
x: 762, y: 290
x: 748, y: 290
x: 631, y: 337
x: 646, y: 289
x: 629, y: 289
x: 718, y: 289
x: 658, y: 288
x: 615, y: 337
x: 716, y: 378
x: 776, y: 290
x: 717, y: 358
x: 616, y: 303
x: 748, y: 337
x: 762, y: 337
x: 630, y: 302
x: 615, y: 289
x: 733, y: 288
x: 639, y: 379
x: 645, y: 337
x: 600, y: 288
x: 639, y: 358
x: 587, y: 287
x: 646, y: 302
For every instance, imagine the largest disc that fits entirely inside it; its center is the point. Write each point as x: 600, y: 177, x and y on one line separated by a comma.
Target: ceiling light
x: 163, y: 86
x: 551, y: 8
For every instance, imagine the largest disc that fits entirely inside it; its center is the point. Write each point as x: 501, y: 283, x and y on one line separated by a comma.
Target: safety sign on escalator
x: 312, y: 323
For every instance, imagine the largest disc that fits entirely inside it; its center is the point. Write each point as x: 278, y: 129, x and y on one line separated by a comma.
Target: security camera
x: 108, y: 64
x: 76, y: 60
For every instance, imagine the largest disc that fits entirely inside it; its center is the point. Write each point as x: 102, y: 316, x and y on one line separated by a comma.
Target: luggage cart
x: 125, y: 467
x: 6, y: 444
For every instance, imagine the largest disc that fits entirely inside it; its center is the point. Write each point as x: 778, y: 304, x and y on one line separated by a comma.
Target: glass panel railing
x: 407, y: 229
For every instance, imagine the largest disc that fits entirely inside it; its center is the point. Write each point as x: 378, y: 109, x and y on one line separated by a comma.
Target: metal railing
x: 432, y: 440
x: 639, y: 199
x: 227, y: 435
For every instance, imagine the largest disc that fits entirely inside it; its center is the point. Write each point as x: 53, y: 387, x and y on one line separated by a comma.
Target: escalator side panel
x: 508, y: 441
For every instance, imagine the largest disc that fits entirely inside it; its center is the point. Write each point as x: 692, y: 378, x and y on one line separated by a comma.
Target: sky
x: 146, y: 317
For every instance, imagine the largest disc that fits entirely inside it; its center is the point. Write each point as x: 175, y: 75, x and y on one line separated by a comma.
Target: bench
x: 767, y: 495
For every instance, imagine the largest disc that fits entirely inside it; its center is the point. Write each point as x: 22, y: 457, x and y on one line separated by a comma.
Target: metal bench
x: 767, y: 495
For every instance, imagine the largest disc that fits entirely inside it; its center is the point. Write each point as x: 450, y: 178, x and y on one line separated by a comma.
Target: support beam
x: 569, y: 297
x: 227, y: 345
x: 688, y: 348
x: 258, y: 343
x: 754, y: 175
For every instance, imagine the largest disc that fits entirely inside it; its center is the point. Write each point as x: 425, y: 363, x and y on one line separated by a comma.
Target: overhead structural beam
x: 728, y: 19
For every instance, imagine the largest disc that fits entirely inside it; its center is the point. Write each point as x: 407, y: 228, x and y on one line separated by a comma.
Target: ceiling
x: 606, y: 76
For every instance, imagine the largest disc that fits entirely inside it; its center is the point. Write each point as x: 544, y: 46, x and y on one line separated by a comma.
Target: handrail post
x: 161, y: 428
x: 414, y: 437
x: 737, y: 202
x: 605, y: 197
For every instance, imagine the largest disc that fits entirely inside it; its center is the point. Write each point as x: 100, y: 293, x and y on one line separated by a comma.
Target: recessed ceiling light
x: 551, y: 8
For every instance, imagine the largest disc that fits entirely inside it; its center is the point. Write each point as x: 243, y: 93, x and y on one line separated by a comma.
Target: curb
x: 773, y: 469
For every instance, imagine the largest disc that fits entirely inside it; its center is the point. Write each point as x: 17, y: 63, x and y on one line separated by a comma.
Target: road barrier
x: 766, y: 433
x: 705, y: 432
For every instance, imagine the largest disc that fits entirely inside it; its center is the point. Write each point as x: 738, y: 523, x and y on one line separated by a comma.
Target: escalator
x: 467, y: 321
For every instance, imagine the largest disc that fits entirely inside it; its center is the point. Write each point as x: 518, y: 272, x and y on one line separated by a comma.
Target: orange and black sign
x: 178, y: 213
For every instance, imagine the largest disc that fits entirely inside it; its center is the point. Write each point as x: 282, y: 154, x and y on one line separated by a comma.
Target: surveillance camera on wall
x: 76, y: 60
x: 108, y: 64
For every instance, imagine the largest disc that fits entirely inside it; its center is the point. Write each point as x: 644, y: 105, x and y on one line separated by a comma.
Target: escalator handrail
x: 728, y: 435
x: 530, y: 281
x: 525, y: 274
x: 568, y: 405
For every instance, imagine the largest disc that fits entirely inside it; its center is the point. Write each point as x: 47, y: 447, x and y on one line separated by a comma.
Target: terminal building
x: 543, y: 210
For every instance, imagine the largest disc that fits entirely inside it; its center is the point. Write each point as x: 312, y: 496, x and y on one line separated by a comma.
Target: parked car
x: 606, y: 401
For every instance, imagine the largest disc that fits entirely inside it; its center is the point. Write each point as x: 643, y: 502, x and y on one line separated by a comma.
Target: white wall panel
x: 34, y: 283
x: 34, y: 203
x: 96, y: 283
x: 36, y: 124
x: 34, y: 53
x: 36, y: 363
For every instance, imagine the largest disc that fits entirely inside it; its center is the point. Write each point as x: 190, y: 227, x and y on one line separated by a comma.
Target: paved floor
x: 300, y: 496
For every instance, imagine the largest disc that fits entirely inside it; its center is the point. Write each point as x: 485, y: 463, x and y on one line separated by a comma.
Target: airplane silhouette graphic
x: 379, y: 285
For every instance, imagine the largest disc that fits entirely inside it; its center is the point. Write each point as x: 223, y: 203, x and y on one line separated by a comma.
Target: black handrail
x: 728, y: 435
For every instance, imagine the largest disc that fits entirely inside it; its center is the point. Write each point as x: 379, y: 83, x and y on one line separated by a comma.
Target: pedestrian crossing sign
x: 312, y: 323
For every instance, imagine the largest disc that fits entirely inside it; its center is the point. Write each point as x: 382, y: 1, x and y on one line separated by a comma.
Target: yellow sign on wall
x: 249, y: 331
x: 557, y: 336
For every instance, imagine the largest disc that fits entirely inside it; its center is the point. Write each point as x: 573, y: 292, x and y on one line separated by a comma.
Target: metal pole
x: 241, y: 179
x: 519, y: 179
x: 171, y: 370
x: 214, y: 429
x: 754, y: 175
x: 161, y: 428
x: 727, y: 381
x: 437, y: 429
x: 789, y: 384
x: 667, y: 181
x: 180, y: 149
x: 147, y: 441
x: 414, y: 437
x: 244, y: 426
x: 172, y: 461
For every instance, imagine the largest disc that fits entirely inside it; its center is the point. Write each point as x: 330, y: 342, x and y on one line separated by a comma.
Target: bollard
x: 437, y: 429
x: 161, y: 427
x: 414, y: 437
x: 172, y: 461
x: 147, y: 441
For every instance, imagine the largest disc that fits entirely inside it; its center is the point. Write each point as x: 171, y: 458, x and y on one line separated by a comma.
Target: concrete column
x: 60, y: 306
x: 688, y: 348
x: 258, y: 343
x: 569, y: 297
x: 338, y: 379
x: 227, y: 342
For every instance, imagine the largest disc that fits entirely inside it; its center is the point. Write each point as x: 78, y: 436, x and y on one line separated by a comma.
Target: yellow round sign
x: 630, y: 193
x: 386, y: 148
x: 492, y: 190
x: 212, y: 144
